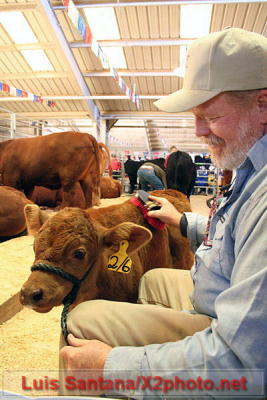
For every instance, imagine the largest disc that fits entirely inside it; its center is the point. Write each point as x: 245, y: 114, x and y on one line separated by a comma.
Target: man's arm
x: 196, y: 223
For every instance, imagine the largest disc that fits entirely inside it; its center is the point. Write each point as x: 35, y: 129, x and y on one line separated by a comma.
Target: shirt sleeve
x: 195, y: 229
x: 236, y: 339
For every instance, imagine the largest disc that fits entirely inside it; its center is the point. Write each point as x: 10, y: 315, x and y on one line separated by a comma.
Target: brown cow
x: 12, y: 219
x: 80, y: 242
x: 109, y: 187
x: 53, y: 198
x: 53, y: 161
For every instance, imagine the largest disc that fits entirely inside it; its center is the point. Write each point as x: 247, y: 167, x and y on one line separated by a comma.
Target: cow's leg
x: 68, y: 192
x: 91, y: 190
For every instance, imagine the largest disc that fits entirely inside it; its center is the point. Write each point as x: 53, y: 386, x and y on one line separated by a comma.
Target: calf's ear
x: 136, y: 235
x: 35, y: 218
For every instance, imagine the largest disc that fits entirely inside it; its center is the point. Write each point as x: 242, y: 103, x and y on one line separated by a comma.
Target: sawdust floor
x: 29, y: 340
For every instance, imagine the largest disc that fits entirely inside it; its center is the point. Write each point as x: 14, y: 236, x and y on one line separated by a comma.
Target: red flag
x: 66, y: 3
x: 6, y: 87
x: 88, y: 35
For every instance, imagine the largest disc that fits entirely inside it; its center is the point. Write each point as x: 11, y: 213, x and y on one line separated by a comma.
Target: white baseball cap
x: 232, y: 59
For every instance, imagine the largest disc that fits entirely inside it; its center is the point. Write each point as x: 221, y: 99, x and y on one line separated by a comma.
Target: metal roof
x: 83, y: 90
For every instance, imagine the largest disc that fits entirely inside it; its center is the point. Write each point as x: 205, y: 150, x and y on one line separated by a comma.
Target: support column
x: 109, y: 124
x: 12, y: 125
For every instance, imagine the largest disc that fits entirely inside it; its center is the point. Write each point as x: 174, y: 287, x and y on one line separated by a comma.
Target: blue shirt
x: 230, y: 285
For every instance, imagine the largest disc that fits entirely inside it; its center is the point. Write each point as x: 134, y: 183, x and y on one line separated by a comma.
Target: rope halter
x: 70, y: 298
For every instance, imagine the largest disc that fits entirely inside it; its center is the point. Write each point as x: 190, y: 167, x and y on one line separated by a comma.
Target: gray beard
x: 232, y: 155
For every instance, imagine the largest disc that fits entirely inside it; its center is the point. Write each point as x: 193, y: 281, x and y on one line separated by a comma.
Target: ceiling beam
x: 123, y: 72
x: 146, y: 115
x: 130, y: 115
x: 153, y: 3
x: 48, y: 115
x: 35, y: 75
x: 27, y: 46
x: 135, y: 42
x: 87, y: 74
x: 30, y: 6
x: 53, y: 24
x: 85, y: 97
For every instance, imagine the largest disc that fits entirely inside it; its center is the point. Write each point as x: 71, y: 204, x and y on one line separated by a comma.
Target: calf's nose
x: 37, y: 295
x: 31, y: 297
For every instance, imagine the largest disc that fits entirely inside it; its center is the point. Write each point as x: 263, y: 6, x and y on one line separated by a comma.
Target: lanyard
x: 214, y: 205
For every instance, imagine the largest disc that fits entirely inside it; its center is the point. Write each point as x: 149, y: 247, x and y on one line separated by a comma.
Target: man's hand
x: 84, y: 354
x: 167, y: 213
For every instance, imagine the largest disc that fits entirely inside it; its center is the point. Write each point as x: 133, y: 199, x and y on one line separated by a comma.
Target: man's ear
x: 35, y: 218
x: 136, y: 235
x: 262, y: 104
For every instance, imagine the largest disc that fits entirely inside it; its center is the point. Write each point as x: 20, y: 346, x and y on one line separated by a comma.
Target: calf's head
x: 76, y: 244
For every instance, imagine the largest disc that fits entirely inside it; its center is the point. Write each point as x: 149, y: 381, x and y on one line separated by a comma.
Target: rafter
x: 35, y: 75
x: 135, y: 42
x: 53, y: 24
x: 128, y: 72
x: 27, y: 46
x: 29, y: 6
x: 58, y: 6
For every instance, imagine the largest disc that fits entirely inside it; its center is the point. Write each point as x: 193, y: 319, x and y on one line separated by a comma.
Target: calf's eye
x: 79, y: 253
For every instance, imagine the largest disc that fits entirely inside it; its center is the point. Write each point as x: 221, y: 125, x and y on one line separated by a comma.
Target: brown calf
x: 81, y: 242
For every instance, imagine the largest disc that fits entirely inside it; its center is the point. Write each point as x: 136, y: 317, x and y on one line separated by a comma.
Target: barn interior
x: 95, y: 67
x: 106, y: 84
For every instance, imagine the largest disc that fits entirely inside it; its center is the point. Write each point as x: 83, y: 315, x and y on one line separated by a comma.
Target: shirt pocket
x: 212, y: 256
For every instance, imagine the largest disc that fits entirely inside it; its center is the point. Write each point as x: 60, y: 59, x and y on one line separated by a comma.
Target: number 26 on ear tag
x: 120, y: 261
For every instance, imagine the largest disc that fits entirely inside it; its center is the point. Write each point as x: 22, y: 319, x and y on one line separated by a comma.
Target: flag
x: 88, y: 35
x: 66, y: 3
x: 81, y: 26
x: 5, y: 87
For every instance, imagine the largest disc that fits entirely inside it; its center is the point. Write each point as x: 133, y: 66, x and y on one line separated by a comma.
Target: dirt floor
x: 29, y: 340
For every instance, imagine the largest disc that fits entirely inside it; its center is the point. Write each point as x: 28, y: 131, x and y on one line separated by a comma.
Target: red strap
x: 154, y: 222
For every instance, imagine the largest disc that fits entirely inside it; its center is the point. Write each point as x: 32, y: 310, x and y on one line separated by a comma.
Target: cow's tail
x: 97, y: 160
x: 105, y: 150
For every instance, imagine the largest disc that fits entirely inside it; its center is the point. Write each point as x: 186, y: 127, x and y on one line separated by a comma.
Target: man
x: 151, y: 177
x: 173, y: 149
x: 225, y: 86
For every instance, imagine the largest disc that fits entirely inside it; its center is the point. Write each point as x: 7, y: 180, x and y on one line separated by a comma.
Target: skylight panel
x: 180, y: 71
x: 38, y: 60
x: 17, y: 27
x: 195, y: 20
x: 102, y: 22
x: 115, y: 56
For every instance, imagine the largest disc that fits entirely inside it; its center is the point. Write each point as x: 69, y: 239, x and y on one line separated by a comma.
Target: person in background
x: 223, y: 333
x: 115, y: 163
x: 151, y: 177
x: 115, y: 166
x: 171, y: 150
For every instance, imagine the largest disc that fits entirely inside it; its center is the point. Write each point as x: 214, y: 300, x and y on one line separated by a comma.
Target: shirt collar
x: 258, y: 153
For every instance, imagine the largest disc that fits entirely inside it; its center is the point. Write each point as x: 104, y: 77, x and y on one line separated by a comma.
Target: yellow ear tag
x: 120, y: 261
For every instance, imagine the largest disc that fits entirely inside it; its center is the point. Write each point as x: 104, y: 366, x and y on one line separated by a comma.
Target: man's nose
x: 202, y: 127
